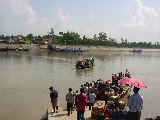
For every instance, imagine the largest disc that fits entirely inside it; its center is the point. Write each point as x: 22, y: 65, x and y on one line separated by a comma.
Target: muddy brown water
x: 26, y: 76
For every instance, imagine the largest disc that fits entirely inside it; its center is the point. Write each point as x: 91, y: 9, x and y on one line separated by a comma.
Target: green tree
x: 29, y: 36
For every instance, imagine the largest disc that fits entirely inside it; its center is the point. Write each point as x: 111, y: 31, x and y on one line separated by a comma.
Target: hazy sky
x: 134, y: 20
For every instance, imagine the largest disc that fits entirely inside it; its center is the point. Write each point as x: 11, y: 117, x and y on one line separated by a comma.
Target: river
x: 25, y: 78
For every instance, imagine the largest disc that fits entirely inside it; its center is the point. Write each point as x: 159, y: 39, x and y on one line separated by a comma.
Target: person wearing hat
x: 70, y: 101
x: 54, y: 99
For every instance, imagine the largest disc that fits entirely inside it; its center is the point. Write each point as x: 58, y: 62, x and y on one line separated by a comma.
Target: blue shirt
x: 135, y: 102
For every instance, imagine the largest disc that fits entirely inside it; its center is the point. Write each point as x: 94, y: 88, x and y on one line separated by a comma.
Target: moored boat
x: 3, y: 49
x: 136, y: 51
x: 66, y: 49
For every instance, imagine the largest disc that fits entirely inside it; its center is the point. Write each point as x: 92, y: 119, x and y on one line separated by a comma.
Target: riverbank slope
x: 33, y: 47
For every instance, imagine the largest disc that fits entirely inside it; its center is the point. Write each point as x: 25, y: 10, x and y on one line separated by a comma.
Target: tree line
x: 73, y: 38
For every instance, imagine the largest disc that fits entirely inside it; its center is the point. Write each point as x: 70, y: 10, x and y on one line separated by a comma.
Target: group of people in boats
x: 87, y: 63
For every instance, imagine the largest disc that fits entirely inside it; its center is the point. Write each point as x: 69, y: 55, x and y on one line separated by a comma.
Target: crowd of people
x: 96, y: 90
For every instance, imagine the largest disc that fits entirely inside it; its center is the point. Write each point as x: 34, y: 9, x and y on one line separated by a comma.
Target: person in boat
x: 77, y: 64
x: 92, y: 61
x: 81, y: 64
x: 103, y: 95
x: 89, y: 63
x: 121, y: 88
x: 115, y: 79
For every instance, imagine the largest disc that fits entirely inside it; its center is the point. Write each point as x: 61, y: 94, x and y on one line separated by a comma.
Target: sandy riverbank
x: 33, y: 47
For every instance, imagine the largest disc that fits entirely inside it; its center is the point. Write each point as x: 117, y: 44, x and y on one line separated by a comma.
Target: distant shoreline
x: 34, y: 47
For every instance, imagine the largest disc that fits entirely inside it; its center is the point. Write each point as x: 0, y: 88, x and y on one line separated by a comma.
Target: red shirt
x: 102, y: 96
x: 81, y: 101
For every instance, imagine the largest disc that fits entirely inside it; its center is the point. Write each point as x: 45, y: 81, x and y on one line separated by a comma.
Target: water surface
x: 26, y: 76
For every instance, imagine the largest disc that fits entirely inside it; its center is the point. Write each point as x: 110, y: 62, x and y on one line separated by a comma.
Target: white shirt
x: 135, y: 102
x: 86, y: 90
x: 92, y: 97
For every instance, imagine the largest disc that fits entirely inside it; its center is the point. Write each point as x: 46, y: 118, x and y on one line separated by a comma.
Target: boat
x: 71, y: 49
x: 136, y: 51
x: 66, y: 49
x: 22, y: 49
x: 3, y: 49
x: 87, y: 63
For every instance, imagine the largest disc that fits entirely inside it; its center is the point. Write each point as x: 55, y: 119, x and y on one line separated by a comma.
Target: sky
x: 134, y: 20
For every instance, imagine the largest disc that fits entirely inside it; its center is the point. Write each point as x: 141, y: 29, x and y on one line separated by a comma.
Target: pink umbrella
x: 133, y: 81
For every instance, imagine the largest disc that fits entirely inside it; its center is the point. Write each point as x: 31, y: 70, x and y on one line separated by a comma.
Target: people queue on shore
x: 90, y: 92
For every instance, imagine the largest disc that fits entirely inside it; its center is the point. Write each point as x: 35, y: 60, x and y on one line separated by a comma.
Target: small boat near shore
x: 3, y: 49
x: 14, y: 49
x: 136, y: 51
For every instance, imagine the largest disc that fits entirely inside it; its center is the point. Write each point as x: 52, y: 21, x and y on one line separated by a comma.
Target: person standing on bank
x: 81, y: 100
x: 135, y: 104
x: 92, y: 97
x: 54, y: 99
x: 70, y: 100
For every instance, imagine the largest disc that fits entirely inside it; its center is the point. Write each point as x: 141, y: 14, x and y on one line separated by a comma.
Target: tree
x: 60, y: 33
x: 52, y: 32
x: 29, y: 36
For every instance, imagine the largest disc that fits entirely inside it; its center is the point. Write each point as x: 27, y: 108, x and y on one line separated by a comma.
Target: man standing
x: 54, y: 99
x: 70, y: 100
x: 92, y: 97
x: 81, y: 100
x: 135, y: 104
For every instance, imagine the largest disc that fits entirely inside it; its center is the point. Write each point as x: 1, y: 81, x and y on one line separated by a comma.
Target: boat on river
x: 66, y: 49
x: 136, y: 51
x: 14, y: 49
x: 3, y: 49
x: 87, y: 63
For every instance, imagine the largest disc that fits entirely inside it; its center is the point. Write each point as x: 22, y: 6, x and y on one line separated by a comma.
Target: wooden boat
x: 22, y: 49
x: 81, y: 64
x: 66, y: 49
x: 136, y: 51
x: 3, y: 49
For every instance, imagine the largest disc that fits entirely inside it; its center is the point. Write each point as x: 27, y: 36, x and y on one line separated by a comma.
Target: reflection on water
x: 26, y: 77
x: 81, y: 72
